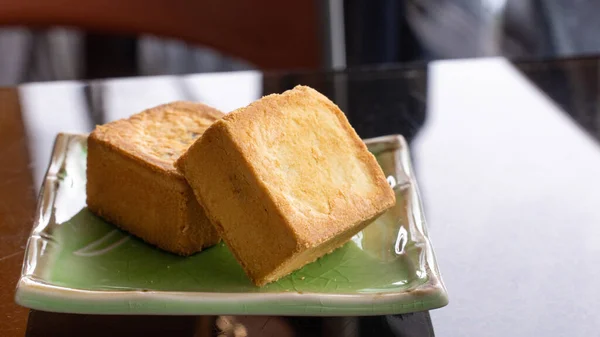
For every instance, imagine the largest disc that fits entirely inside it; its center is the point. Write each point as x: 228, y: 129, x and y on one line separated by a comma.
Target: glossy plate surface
x: 76, y: 262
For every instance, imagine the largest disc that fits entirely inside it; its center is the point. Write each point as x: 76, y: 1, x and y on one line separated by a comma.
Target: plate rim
x: 36, y: 294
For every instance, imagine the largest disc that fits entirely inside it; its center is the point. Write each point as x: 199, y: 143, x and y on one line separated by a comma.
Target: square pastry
x: 285, y: 181
x: 132, y: 181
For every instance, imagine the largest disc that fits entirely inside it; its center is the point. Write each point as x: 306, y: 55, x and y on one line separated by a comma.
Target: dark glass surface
x: 503, y: 155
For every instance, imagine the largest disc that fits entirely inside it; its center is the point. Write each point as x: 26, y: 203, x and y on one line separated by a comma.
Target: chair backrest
x: 270, y: 34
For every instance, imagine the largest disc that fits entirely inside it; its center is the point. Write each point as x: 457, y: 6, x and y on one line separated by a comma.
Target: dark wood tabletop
x: 17, y: 204
x: 506, y: 155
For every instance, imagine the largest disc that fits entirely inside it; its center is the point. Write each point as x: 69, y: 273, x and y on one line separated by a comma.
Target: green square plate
x: 77, y: 263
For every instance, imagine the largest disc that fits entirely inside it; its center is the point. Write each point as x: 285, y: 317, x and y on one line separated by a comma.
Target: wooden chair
x: 270, y: 34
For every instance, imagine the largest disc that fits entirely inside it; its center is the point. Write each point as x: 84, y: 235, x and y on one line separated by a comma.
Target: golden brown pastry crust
x: 285, y: 180
x: 132, y: 182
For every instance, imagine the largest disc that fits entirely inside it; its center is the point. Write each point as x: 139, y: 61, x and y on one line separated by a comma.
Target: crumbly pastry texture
x: 285, y: 181
x: 132, y: 181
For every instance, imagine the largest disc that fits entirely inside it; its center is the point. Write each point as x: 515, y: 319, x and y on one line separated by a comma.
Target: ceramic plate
x: 75, y: 262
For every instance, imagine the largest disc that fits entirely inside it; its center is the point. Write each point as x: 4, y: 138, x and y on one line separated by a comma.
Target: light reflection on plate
x: 76, y: 262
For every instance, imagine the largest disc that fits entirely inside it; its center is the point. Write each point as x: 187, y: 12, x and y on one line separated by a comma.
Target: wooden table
x: 17, y: 204
x: 506, y: 155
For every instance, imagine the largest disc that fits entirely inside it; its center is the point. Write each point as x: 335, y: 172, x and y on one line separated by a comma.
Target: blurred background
x: 47, y: 40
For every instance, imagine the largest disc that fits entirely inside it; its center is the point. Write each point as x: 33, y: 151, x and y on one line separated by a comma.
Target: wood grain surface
x: 17, y: 203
